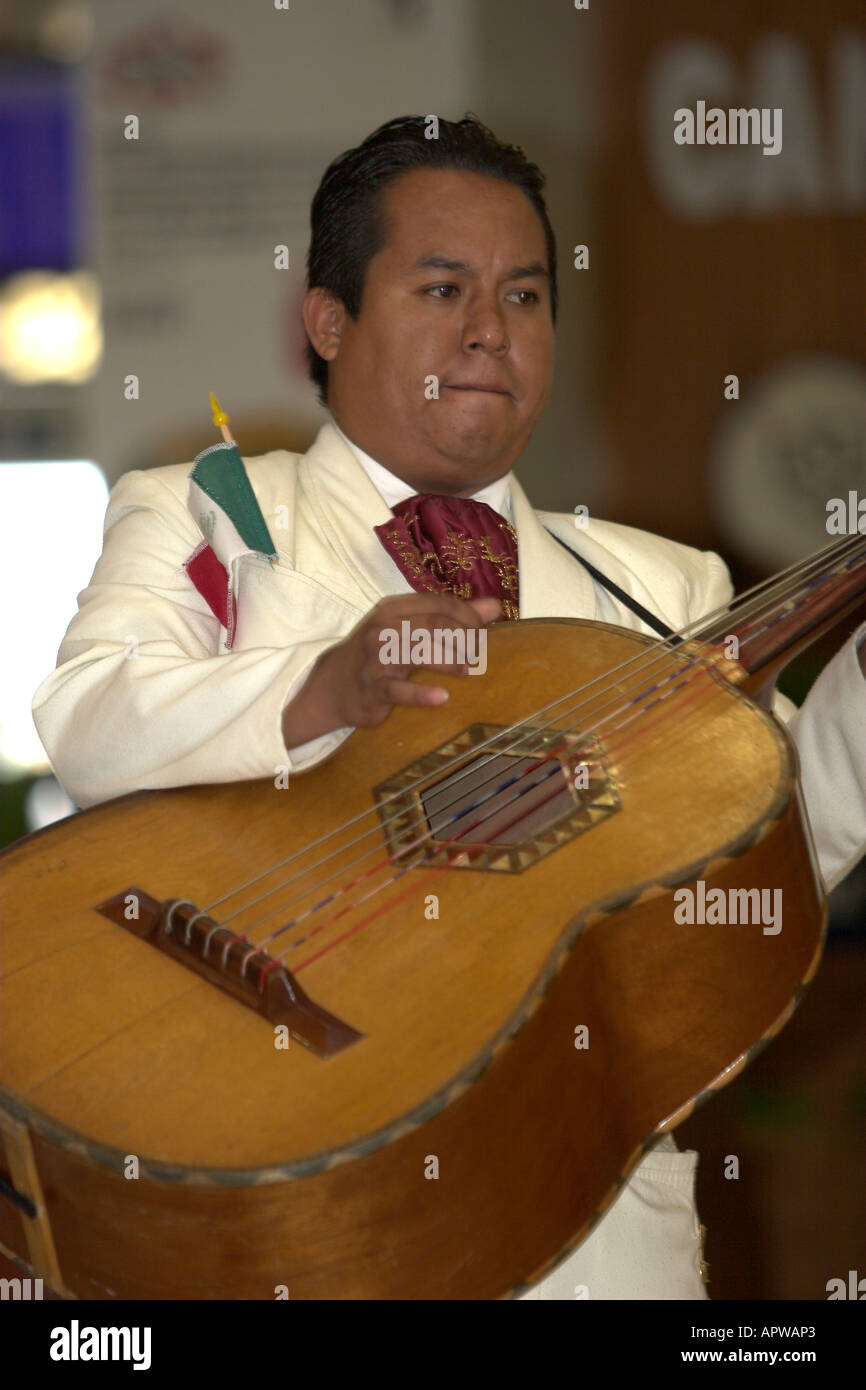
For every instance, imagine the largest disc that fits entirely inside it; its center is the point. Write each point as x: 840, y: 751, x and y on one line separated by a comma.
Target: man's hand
x: 351, y: 687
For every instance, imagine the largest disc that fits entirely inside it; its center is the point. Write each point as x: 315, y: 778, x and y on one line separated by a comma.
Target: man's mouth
x: 487, y: 390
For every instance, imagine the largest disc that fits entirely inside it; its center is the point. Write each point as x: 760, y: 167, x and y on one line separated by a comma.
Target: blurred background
x: 137, y: 274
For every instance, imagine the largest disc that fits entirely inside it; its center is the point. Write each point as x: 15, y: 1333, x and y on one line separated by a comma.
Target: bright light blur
x: 50, y: 327
x: 51, y: 517
x: 45, y: 803
x: 66, y: 31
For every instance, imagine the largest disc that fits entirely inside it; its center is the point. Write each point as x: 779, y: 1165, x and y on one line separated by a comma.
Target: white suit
x: 146, y: 695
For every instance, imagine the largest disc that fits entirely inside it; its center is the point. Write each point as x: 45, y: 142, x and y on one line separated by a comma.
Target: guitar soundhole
x: 498, y: 800
x: 516, y: 799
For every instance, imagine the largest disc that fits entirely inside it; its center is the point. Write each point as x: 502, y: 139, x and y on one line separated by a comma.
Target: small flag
x: 224, y: 505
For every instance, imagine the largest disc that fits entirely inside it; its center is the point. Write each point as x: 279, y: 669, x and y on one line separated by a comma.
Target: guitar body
x: 528, y: 1020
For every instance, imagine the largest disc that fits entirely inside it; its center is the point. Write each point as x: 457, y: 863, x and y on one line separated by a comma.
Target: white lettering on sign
x: 823, y: 164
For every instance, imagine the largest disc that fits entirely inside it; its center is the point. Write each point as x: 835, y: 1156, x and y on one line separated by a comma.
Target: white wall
x: 267, y: 98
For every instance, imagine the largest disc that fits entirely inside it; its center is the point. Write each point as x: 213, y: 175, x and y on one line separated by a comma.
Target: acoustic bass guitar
x: 402, y: 1029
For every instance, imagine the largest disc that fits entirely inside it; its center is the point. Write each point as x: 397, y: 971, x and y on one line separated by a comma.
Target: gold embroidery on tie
x: 508, y: 575
x: 458, y: 552
x: 487, y: 551
x: 414, y: 561
x: 506, y: 568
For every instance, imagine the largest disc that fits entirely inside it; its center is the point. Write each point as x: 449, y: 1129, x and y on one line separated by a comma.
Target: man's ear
x: 323, y: 314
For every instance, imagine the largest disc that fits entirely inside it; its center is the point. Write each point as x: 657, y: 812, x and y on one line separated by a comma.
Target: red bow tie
x: 454, y: 545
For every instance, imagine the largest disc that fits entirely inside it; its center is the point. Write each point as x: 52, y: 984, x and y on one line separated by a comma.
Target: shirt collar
x: 393, y: 489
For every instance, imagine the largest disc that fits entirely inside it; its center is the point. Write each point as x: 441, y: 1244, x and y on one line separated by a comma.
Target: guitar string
x: 737, y: 608
x: 552, y: 757
x: 615, y: 750
x: 694, y: 697
x: 390, y: 902
x: 387, y: 905
x: 255, y: 950
x: 407, y: 848
x: 419, y: 883
x: 655, y: 658
x: 641, y: 729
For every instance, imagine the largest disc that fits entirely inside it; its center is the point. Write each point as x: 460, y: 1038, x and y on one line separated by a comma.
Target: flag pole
x: 220, y: 418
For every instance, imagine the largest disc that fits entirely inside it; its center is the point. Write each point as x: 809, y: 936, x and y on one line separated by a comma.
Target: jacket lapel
x: 553, y: 584
x: 664, y: 598
x: 347, y: 507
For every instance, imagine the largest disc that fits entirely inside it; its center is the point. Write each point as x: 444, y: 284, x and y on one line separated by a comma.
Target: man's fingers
x: 488, y: 609
x: 398, y: 692
x: 401, y: 669
x: 445, y: 609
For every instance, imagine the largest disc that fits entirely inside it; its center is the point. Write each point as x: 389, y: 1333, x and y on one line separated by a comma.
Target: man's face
x: 460, y: 293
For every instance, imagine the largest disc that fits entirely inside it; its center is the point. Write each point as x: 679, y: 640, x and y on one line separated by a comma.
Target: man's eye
x: 533, y: 296
x: 435, y: 288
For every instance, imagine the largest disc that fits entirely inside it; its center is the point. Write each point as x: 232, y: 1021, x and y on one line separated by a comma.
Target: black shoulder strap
x: 632, y: 603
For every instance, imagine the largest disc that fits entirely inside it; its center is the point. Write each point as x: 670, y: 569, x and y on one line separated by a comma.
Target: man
x: 430, y: 317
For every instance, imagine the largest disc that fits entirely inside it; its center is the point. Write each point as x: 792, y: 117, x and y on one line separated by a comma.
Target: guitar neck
x: 794, y: 612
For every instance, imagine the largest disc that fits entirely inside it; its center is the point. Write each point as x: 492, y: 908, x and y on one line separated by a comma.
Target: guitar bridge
x: 233, y: 964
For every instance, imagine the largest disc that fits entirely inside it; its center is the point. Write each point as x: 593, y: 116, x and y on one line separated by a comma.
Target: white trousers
x: 648, y: 1243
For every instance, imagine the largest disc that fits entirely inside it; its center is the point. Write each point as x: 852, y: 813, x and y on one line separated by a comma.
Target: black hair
x: 346, y: 222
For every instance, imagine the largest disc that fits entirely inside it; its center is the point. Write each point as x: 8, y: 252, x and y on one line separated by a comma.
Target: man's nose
x: 485, y: 326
